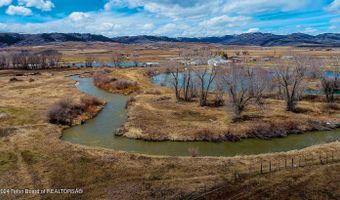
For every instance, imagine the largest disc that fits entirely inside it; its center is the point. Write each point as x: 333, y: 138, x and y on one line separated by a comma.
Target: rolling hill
x: 256, y: 39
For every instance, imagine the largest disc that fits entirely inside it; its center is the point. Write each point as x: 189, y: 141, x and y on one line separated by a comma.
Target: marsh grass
x: 124, y: 86
x: 7, y: 160
x: 16, y: 116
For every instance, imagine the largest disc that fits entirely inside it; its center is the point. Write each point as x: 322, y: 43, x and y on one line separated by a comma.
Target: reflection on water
x: 165, y: 79
x: 112, y: 64
x: 99, y: 132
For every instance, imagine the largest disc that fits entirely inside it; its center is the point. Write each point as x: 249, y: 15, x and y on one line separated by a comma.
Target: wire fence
x: 288, y: 162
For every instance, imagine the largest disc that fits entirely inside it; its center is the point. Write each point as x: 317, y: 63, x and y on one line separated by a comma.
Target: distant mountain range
x: 256, y: 39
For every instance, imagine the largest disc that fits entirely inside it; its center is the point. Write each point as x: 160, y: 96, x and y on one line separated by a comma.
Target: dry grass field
x: 158, y: 116
x: 33, y: 156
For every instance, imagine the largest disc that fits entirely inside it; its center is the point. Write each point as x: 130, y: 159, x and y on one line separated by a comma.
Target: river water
x: 99, y: 132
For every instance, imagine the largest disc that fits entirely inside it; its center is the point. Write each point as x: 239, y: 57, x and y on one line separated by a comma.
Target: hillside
x: 256, y: 39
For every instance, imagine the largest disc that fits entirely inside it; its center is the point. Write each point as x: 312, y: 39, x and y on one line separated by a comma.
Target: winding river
x: 99, y: 132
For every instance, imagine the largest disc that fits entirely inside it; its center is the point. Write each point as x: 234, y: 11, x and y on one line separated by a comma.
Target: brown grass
x: 152, y: 118
x: 123, y: 86
x: 64, y: 112
x: 67, y: 112
x: 33, y: 156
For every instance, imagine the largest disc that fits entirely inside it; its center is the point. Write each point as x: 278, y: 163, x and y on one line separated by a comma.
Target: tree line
x: 117, y: 58
x: 191, y: 77
x: 28, y: 60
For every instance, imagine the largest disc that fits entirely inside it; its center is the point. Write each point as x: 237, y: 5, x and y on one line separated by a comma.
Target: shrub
x: 153, y: 91
x: 151, y: 72
x: 129, y: 102
x: 231, y: 137
x: 163, y: 98
x: 218, y: 102
x: 193, y: 151
x: 19, y: 74
x: 101, y: 79
x: 123, y: 84
x: 13, y: 79
x: 332, y: 106
x: 64, y: 111
x: 107, y: 70
x: 104, y: 82
x: 90, y: 101
x: 208, y: 134
x: 274, y: 129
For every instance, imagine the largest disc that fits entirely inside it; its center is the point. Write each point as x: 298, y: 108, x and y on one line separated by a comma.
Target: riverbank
x: 155, y: 115
x: 98, y: 132
x: 33, y: 156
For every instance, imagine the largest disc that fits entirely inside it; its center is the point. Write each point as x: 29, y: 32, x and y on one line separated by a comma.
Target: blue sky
x: 189, y: 18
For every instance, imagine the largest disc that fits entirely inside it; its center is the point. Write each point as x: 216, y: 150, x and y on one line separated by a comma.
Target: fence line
x: 289, y: 162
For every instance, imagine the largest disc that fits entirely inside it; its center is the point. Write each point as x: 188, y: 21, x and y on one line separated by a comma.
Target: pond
x: 165, y: 79
x: 99, y: 132
x: 112, y: 64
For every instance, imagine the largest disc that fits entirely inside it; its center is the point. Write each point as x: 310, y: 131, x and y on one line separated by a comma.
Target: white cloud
x: 3, y: 26
x: 253, y: 30
x: 45, y: 5
x: 333, y: 27
x: 175, y: 18
x: 18, y: 10
x: 310, y: 30
x: 334, y: 6
x: 252, y: 6
x: 202, y: 9
x: 225, y: 19
x: 78, y: 16
x: 166, y: 29
x: 148, y: 26
x: 175, y: 9
x: 5, y: 2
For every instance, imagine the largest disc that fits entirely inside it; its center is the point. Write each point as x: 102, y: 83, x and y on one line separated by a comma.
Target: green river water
x: 99, y: 132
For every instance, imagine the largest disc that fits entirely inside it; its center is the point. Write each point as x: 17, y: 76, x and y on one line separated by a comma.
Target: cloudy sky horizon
x: 173, y: 18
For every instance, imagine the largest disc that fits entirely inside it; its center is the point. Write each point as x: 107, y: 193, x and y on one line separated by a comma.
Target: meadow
x: 33, y: 154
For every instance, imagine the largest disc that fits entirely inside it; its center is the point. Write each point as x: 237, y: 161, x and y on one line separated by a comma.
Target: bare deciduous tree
x: 205, y: 77
x: 258, y: 82
x: 182, y: 75
x: 89, y: 60
x: 134, y: 57
x: 174, y: 69
x: 3, y: 62
x: 50, y: 58
x: 25, y: 59
x: 34, y: 61
x: 330, y: 82
x: 188, y: 84
x: 290, y: 78
x: 315, y: 65
x: 204, y: 73
x: 219, y: 89
x: 55, y: 58
x: 235, y: 78
x: 118, y: 58
x: 244, y: 86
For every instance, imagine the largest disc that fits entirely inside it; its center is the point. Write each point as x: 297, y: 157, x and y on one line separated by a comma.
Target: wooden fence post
x: 285, y: 163
x: 320, y: 159
x: 270, y: 166
x: 261, y: 168
x: 292, y: 163
x: 236, y: 176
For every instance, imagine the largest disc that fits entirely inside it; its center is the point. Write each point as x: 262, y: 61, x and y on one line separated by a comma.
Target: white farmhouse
x: 217, y: 61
